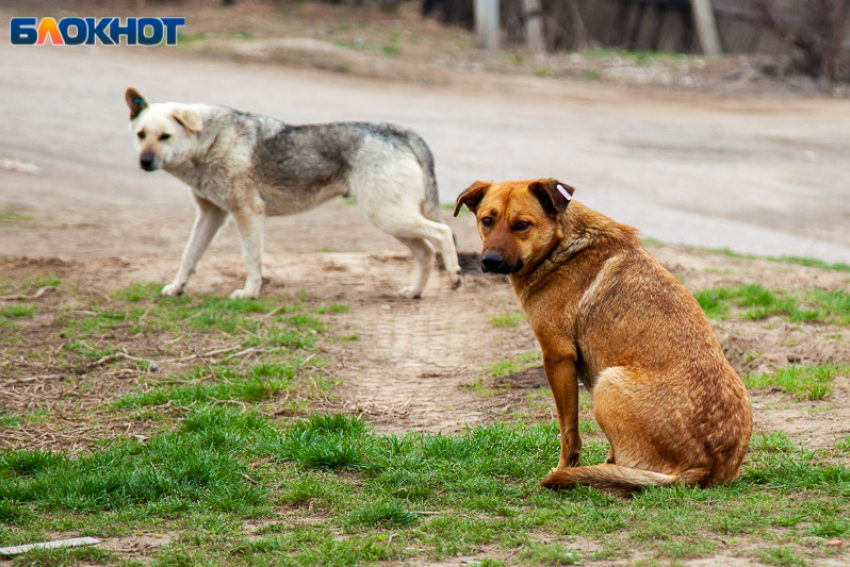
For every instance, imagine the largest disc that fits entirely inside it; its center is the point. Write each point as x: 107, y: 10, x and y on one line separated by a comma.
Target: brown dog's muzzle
x: 494, y: 262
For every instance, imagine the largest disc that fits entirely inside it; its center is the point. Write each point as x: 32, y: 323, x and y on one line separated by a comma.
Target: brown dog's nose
x: 491, y: 262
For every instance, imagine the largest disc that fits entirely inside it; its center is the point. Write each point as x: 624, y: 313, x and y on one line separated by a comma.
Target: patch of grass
x: 507, y: 319
x: 30, y: 283
x: 545, y: 72
x: 813, y: 263
x: 334, y: 308
x: 757, y: 302
x: 11, y: 217
x: 592, y: 75
x: 400, y: 499
x: 797, y: 260
x: 7, y: 420
x: 833, y: 303
x: 62, y: 557
x: 781, y: 557
x: 386, y: 514
x: 262, y: 382
x: 512, y: 365
x: 181, y: 466
x: 17, y: 311
x: 804, y: 382
x: 550, y: 554
x: 138, y: 291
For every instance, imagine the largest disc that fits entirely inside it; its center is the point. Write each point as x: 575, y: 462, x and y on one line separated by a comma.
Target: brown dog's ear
x: 189, y: 118
x: 552, y: 194
x: 472, y: 196
x: 136, y: 102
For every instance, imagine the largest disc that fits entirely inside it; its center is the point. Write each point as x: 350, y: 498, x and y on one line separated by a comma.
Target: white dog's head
x: 165, y: 132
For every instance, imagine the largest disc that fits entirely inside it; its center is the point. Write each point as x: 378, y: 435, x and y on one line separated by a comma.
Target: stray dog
x: 606, y: 313
x: 248, y: 166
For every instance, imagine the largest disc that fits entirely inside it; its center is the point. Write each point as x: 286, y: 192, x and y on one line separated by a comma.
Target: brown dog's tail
x: 613, y: 479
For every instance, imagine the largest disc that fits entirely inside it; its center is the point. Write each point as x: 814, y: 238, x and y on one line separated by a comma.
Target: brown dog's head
x: 517, y: 220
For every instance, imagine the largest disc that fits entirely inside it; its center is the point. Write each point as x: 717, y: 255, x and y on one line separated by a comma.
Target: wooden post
x: 533, y: 17
x: 487, y: 24
x: 709, y: 38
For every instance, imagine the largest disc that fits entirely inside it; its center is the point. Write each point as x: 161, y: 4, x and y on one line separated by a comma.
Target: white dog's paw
x: 410, y: 292
x: 454, y: 277
x: 244, y: 293
x: 172, y: 289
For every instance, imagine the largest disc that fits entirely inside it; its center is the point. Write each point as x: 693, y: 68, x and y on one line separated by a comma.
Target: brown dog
x: 606, y: 313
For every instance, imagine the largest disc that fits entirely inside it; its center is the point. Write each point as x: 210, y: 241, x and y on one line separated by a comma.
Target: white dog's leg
x: 391, y: 194
x: 423, y: 254
x: 250, y: 226
x: 208, y: 219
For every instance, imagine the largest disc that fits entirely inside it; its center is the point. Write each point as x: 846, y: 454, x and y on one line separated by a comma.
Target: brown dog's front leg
x: 561, y: 374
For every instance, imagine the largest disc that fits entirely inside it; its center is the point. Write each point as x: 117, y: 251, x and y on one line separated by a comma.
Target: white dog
x: 247, y: 165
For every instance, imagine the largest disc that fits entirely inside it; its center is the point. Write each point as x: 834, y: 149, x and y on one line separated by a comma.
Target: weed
x: 512, y: 365
x: 508, y: 319
x: 803, y: 382
x: 759, y: 302
x: 550, y: 554
x: 782, y: 557
x: 334, y: 308
x: 386, y: 514
x: 7, y: 420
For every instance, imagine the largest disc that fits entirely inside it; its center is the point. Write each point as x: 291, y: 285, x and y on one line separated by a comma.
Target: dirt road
x: 757, y: 176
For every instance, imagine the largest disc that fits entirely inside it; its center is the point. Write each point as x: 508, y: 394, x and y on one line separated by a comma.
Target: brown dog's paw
x: 574, y: 459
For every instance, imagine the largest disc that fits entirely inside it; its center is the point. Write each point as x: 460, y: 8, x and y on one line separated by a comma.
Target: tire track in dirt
x: 414, y: 362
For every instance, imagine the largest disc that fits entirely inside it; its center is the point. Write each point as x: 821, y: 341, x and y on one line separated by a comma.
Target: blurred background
x: 715, y: 124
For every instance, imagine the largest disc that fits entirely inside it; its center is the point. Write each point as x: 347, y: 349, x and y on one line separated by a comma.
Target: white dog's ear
x: 189, y: 118
x: 136, y: 102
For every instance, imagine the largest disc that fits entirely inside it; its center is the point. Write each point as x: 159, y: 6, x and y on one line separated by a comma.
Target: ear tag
x: 564, y: 192
x: 141, y: 101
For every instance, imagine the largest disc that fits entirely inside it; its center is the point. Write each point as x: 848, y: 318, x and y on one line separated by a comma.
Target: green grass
x: 516, y: 364
x: 11, y: 217
x: 342, y: 494
x: 755, y: 302
x: 804, y: 382
x: 334, y: 308
x: 797, y: 260
x: 17, y: 310
x: 228, y: 442
x: 507, y: 319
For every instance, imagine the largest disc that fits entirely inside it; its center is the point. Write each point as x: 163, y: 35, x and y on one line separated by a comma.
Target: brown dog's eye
x: 521, y: 226
x: 486, y: 222
x: 164, y: 137
x: 141, y: 135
